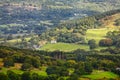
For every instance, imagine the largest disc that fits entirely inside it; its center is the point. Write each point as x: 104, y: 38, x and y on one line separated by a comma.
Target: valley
x: 59, y: 39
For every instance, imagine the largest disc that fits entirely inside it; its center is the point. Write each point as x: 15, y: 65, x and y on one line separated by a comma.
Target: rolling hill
x: 65, y: 21
x: 81, y: 31
x: 59, y: 39
x: 29, y: 16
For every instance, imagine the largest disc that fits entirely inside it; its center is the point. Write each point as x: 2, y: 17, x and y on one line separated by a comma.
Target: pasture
x: 99, y: 74
x: 41, y: 71
x: 63, y: 47
x: 97, y: 34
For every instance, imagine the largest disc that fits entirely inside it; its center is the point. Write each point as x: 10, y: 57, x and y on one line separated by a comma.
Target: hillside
x: 59, y: 39
x: 81, y: 31
x: 44, y: 65
x: 21, y: 18
x: 28, y: 64
x: 94, y: 5
x: 108, y: 24
x: 77, y: 30
x: 31, y: 16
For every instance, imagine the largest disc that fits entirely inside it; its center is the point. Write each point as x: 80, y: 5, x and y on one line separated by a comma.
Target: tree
x: 10, y: 37
x: 3, y: 76
x: 83, y: 68
x: 118, y: 44
x: 106, y: 42
x: 26, y: 76
x: 117, y: 22
x: 73, y: 77
x: 88, y: 67
x: 52, y: 77
x: 8, y: 62
x: 80, y: 71
x: 61, y: 78
x: 35, y: 76
x: 26, y: 66
x: 35, y: 62
x: 13, y: 76
x: 92, y: 44
x: 59, y: 71
x: 70, y: 63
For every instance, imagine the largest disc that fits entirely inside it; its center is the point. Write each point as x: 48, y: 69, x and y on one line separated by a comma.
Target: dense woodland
x: 58, y: 63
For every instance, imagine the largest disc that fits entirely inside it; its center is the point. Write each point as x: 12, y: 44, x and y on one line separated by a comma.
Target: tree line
x: 58, y: 63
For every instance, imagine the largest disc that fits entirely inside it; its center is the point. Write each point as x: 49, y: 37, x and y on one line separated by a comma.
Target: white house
x: 118, y: 69
x: 36, y: 46
x: 53, y: 41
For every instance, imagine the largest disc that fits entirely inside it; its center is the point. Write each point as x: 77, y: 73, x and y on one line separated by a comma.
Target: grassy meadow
x: 41, y: 72
x: 97, y: 34
x: 97, y: 74
x: 63, y: 47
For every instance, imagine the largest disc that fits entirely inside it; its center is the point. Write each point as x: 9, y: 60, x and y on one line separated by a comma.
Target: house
x: 118, y: 69
x: 36, y: 47
x: 53, y: 41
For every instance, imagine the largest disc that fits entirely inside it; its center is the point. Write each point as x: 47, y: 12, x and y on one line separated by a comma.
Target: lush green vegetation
x: 28, y: 64
x: 76, y: 31
x: 54, y: 42
x: 117, y: 22
x: 101, y: 75
x: 67, y: 47
x: 63, y: 47
x: 97, y: 34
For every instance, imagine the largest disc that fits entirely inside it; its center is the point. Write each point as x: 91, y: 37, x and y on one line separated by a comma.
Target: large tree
x: 92, y: 44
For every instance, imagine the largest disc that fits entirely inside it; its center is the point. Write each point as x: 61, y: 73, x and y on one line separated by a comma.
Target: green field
x: 18, y: 40
x: 96, y: 74
x: 42, y: 73
x: 97, y: 34
x: 100, y: 75
x: 63, y: 47
x: 66, y: 47
x: 18, y: 71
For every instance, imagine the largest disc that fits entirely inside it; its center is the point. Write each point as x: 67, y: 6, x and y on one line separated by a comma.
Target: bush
x: 106, y: 42
x: 3, y: 76
x: 8, y: 62
x: 13, y: 76
x: 26, y: 76
x: 26, y: 66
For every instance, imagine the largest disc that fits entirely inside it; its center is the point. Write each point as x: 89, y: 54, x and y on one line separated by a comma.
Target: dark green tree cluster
x: 25, y: 76
x: 92, y: 44
x: 117, y: 22
x: 59, y: 64
x: 115, y: 37
x: 106, y: 42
